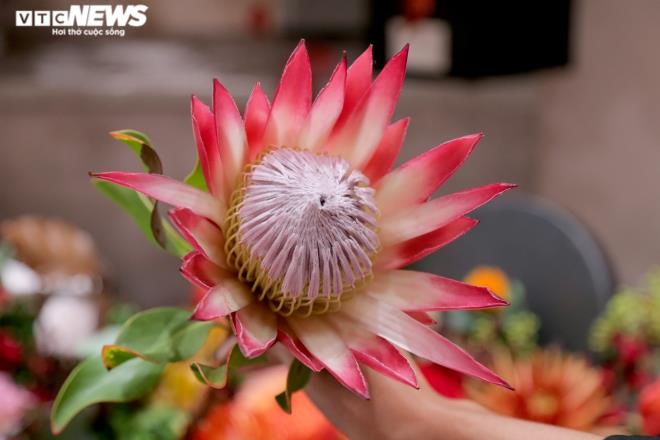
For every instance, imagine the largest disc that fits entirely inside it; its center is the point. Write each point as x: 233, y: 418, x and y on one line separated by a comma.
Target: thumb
x: 393, y: 408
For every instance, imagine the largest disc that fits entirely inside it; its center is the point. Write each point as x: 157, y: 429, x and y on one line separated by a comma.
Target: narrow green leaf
x: 158, y: 335
x: 156, y: 223
x: 141, y: 145
x: 141, y: 209
x: 135, y: 134
x: 160, y: 230
x: 91, y: 383
x: 238, y: 360
x: 217, y: 376
x: 296, y: 380
x: 284, y: 401
x: 298, y: 376
x: 196, y: 177
x: 115, y: 355
x: 165, y: 236
x: 138, y: 207
x: 175, y: 243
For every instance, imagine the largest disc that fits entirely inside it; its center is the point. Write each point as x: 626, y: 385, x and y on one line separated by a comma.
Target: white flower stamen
x: 301, y: 230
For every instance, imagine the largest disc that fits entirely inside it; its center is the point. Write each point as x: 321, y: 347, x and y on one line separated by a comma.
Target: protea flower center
x: 301, y: 230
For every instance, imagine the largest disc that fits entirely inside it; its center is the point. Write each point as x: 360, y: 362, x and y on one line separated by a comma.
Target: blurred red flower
x: 11, y: 353
x: 630, y: 348
x: 448, y: 383
x: 15, y: 402
x: 649, y: 408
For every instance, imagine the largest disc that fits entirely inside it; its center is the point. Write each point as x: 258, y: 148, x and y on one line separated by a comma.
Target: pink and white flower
x: 15, y: 402
x: 304, y: 229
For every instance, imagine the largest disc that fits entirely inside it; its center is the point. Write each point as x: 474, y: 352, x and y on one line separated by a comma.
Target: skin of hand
x: 397, y: 412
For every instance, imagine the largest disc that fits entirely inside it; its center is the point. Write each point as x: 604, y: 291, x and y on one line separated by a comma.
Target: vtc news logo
x: 86, y: 16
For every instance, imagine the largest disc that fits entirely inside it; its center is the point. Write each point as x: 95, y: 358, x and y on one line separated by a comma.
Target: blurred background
x: 566, y: 92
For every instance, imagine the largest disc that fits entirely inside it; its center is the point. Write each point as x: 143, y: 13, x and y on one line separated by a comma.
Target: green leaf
x: 137, y: 206
x: 296, y: 380
x: 162, y: 422
x: 174, y: 243
x: 196, y: 177
x: 158, y: 335
x: 91, y: 383
x: 217, y: 376
x: 115, y: 355
x: 141, y: 145
x: 144, y: 210
x: 141, y: 210
x: 165, y: 235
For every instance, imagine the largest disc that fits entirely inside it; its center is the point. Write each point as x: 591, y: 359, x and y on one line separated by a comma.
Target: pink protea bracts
x: 303, y: 232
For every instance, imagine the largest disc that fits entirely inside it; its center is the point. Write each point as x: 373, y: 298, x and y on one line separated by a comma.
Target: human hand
x: 397, y: 411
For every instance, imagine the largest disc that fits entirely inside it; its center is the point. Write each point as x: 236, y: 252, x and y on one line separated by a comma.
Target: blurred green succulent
x: 514, y: 327
x: 520, y: 331
x: 484, y: 329
x: 631, y: 312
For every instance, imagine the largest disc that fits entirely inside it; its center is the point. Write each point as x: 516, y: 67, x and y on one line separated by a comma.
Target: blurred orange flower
x: 649, y: 408
x: 550, y: 387
x: 492, y: 278
x: 254, y: 414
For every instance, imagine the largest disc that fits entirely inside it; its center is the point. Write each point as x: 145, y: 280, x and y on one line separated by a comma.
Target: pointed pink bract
x: 358, y: 81
x: 292, y: 101
x: 255, y: 328
x: 408, y: 252
x: 385, y: 154
x: 297, y: 349
x: 201, y: 271
x: 169, y: 191
x: 356, y: 140
x: 422, y: 219
x: 325, y: 111
x: 421, y: 317
x: 324, y: 344
x: 206, y: 139
x: 205, y: 236
x: 257, y: 110
x: 414, y: 291
x: 375, y: 352
x: 405, y: 332
x: 415, y: 181
x: 230, y: 133
x: 226, y: 297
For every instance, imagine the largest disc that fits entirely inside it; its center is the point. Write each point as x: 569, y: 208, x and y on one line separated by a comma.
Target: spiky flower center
x: 301, y: 230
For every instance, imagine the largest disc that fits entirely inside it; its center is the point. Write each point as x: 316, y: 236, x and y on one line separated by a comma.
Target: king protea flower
x: 304, y: 228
